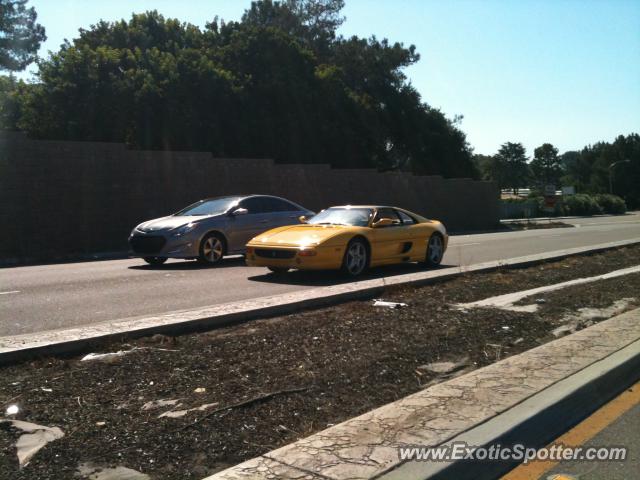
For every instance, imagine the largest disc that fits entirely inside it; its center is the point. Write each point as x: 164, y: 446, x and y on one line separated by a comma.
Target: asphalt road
x: 48, y: 297
x: 624, y: 432
x: 616, y: 425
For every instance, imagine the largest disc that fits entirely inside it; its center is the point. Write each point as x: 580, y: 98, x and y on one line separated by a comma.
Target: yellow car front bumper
x: 318, y: 258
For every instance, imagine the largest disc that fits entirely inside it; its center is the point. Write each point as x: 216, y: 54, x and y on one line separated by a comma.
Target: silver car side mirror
x: 239, y: 211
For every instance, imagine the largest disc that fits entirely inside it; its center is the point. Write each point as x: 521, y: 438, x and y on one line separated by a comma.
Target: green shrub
x: 581, y: 204
x: 611, y: 203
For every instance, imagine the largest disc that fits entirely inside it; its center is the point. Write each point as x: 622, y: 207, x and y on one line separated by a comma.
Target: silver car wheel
x: 356, y: 259
x: 435, y: 249
x: 212, y: 249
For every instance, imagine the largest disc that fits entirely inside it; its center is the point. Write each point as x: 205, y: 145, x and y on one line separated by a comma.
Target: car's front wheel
x: 356, y: 258
x: 211, y: 249
x: 155, y: 260
x: 435, y: 250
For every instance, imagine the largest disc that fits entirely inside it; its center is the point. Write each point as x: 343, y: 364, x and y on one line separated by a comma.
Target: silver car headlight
x: 183, y: 230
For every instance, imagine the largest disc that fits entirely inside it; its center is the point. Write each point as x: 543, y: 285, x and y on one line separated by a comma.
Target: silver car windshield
x: 357, y: 217
x: 213, y: 206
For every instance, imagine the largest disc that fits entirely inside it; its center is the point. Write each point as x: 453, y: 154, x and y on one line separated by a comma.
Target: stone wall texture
x: 62, y: 199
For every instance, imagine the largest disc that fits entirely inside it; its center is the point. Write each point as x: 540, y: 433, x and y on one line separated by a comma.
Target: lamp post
x: 611, y: 173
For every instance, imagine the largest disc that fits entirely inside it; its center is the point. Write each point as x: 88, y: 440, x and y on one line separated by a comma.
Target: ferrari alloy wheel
x: 356, y: 258
x: 435, y: 250
x: 155, y: 260
x: 211, y: 249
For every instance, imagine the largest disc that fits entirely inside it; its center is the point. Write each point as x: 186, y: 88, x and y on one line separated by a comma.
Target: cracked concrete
x: 366, y: 446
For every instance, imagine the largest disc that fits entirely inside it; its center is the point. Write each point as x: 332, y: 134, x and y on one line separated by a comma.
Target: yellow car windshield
x: 357, y: 217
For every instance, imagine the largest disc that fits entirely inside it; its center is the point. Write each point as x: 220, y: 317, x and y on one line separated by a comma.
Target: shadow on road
x: 323, y: 278
x: 190, y: 265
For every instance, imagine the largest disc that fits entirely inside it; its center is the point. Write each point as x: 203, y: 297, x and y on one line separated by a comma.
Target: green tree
x: 278, y: 84
x: 20, y: 35
x: 483, y: 165
x: 311, y: 22
x: 626, y: 175
x: 577, y: 170
x: 590, y: 169
x: 546, y: 165
x: 11, y: 92
x: 509, y: 167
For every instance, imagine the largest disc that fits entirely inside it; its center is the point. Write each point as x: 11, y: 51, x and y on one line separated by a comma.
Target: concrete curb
x: 527, y: 398
x: 540, y: 219
x: 84, y: 257
x: 20, y: 347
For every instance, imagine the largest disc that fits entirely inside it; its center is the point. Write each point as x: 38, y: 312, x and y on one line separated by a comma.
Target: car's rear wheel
x: 155, y: 260
x: 435, y: 250
x: 356, y: 258
x: 278, y: 270
x: 211, y: 249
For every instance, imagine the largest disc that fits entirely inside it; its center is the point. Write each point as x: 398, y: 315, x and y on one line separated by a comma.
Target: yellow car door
x: 417, y: 234
x: 390, y: 243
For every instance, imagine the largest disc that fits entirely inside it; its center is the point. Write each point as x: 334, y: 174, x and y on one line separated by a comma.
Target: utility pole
x: 611, y: 173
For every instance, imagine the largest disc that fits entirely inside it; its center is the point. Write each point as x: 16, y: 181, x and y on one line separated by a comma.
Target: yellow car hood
x: 297, y: 235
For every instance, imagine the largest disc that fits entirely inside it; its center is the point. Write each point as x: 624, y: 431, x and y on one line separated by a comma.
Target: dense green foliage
x: 596, y: 169
x: 580, y: 204
x: 610, y: 203
x: 546, y: 167
x: 11, y: 92
x: 20, y: 35
x: 590, y: 169
x: 279, y: 83
x: 508, y: 167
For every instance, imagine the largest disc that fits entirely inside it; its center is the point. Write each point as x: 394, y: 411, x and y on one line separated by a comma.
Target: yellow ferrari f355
x: 351, y: 238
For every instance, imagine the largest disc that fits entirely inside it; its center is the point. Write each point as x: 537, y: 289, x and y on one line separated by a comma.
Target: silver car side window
x: 279, y: 205
x: 255, y: 205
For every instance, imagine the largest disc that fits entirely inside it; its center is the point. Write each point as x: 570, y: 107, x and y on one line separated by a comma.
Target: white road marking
x: 12, y: 291
x: 464, y: 244
x: 506, y: 301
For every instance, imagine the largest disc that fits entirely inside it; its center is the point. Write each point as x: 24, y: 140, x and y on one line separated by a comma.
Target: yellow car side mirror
x: 302, y: 219
x: 383, y: 222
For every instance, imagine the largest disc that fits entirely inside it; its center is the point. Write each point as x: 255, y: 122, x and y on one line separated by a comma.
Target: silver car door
x: 243, y: 228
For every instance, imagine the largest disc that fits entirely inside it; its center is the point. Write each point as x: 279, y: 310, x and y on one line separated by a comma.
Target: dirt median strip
x: 276, y: 380
x: 532, y: 225
x: 508, y: 301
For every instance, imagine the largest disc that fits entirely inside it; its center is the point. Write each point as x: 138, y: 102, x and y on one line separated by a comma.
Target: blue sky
x: 530, y: 71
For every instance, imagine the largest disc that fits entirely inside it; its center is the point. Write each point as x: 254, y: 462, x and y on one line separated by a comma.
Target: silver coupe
x: 212, y: 228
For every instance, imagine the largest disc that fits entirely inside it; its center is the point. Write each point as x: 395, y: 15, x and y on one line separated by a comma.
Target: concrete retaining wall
x: 67, y: 198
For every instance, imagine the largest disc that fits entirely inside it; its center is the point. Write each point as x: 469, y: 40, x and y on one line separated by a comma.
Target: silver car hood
x: 171, y: 222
